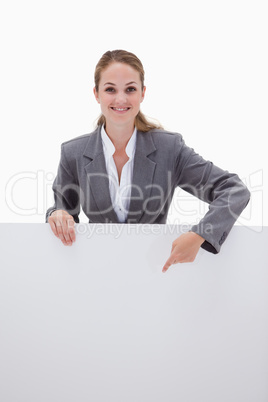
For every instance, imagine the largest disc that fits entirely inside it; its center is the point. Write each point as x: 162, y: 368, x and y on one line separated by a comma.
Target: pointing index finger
x: 168, y: 263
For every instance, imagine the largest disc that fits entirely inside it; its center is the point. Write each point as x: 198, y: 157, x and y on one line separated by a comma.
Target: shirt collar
x: 109, y: 146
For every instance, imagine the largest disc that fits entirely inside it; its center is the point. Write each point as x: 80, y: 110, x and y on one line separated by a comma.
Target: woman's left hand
x: 184, y: 249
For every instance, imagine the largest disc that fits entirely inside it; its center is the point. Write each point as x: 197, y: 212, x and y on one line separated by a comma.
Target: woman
x: 126, y: 171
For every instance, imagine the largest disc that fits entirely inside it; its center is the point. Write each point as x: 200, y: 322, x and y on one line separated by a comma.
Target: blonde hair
x: 122, y: 56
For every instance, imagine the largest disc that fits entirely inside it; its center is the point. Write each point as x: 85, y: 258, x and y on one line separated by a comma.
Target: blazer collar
x: 144, y: 146
x: 94, y: 144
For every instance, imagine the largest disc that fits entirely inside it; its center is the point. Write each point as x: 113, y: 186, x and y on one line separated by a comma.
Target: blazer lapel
x: 143, y: 173
x: 98, y: 178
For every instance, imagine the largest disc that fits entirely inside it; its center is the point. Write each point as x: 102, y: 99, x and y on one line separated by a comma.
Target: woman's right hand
x: 62, y: 225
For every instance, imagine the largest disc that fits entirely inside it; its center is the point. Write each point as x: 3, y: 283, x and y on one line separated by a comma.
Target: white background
x: 206, y: 75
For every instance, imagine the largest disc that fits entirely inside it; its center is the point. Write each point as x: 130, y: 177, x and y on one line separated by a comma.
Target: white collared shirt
x: 120, y: 193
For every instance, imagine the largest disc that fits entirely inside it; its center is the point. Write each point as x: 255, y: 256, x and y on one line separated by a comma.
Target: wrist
x: 199, y: 239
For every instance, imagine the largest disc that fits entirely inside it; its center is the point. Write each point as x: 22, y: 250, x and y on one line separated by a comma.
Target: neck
x: 119, y: 135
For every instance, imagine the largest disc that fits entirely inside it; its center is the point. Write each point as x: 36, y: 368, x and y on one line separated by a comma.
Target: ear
x: 96, y: 94
x: 143, y: 93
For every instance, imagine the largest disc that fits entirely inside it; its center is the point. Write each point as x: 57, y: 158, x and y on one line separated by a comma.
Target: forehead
x: 119, y: 73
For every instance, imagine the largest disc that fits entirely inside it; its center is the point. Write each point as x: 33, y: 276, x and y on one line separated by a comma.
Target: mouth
x: 120, y: 109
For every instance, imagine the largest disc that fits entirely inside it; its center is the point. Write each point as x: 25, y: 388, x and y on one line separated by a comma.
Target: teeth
x: 120, y: 109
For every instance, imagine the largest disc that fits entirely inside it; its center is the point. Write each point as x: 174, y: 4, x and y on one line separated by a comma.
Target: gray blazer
x: 162, y: 162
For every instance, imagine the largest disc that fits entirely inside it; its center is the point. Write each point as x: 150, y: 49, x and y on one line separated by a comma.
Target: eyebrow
x: 129, y: 83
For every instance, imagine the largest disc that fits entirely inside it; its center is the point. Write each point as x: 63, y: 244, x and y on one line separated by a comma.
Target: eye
x: 131, y: 89
x: 109, y: 89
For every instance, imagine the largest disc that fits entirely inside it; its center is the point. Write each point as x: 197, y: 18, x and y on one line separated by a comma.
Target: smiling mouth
x: 120, y: 109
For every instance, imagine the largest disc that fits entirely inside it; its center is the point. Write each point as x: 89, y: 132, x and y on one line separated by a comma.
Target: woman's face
x: 120, y: 94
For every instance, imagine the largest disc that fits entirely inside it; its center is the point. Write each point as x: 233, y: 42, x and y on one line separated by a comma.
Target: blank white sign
x: 99, y: 321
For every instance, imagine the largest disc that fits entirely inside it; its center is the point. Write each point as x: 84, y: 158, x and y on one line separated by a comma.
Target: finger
x: 70, y: 232
x: 168, y: 263
x: 66, y: 233
x: 59, y: 226
x: 53, y: 226
x: 71, y: 229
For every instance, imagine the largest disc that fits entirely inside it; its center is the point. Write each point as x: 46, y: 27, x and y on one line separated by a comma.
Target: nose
x: 121, y: 98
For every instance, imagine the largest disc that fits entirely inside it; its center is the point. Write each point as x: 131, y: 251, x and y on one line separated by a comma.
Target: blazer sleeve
x: 225, y: 193
x: 66, y: 189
